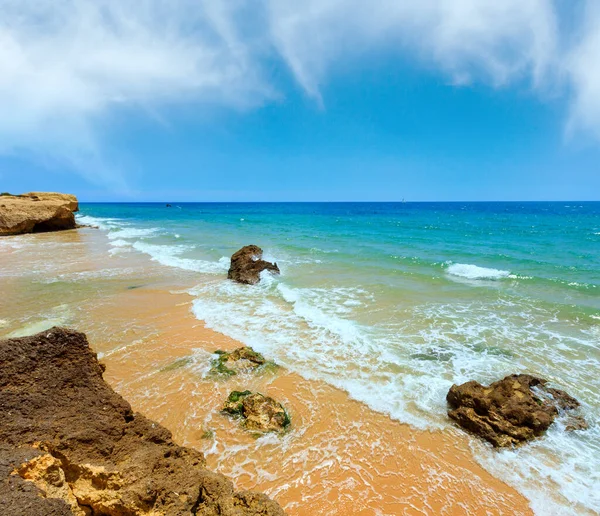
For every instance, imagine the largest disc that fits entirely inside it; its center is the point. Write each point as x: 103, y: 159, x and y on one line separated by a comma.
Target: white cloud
x: 67, y: 65
x: 583, y: 68
x: 468, y: 39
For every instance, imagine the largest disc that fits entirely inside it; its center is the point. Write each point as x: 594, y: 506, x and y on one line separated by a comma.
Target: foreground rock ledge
x: 70, y: 445
x: 513, y: 410
x: 37, y: 212
x: 247, y: 264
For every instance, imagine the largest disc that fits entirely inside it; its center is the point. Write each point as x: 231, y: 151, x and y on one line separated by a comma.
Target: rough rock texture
x: 247, y: 264
x: 243, y: 359
x: 69, y: 200
x: 258, y: 412
x: 511, y: 411
x: 36, y: 213
x: 70, y: 445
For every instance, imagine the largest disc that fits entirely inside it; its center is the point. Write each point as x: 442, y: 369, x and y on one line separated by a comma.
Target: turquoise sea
x: 394, y: 302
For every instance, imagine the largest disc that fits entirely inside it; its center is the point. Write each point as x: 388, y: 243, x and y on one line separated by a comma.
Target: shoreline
x: 401, y: 462
x: 339, y: 453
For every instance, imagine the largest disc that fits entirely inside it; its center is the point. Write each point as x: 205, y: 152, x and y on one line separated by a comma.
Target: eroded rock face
x: 37, y: 213
x: 247, y: 264
x: 243, y: 359
x: 70, y: 445
x: 511, y: 411
x: 258, y: 413
x: 69, y: 200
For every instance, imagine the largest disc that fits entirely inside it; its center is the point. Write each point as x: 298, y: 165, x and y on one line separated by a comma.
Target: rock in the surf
x: 243, y: 359
x: 247, y: 264
x: 258, y: 413
x: 70, y: 445
x: 36, y: 213
x: 511, y: 411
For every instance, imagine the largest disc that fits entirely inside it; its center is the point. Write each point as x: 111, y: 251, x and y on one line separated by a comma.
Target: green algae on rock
x: 258, y: 412
x: 243, y: 359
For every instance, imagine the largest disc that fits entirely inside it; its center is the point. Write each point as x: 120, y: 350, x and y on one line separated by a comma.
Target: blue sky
x: 274, y: 101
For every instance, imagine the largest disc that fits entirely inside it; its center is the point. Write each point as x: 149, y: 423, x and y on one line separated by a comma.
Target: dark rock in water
x: 169, y: 206
x: 247, y: 264
x: 70, y: 445
x: 510, y: 411
x: 240, y: 360
x: 258, y: 412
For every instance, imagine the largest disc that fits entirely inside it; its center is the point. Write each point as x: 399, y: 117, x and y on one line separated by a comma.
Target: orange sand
x: 340, y: 457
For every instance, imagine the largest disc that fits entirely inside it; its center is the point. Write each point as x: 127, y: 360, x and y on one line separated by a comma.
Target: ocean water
x: 395, y: 302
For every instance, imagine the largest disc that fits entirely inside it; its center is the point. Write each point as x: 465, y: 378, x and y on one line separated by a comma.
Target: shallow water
x: 393, y: 303
x: 339, y: 457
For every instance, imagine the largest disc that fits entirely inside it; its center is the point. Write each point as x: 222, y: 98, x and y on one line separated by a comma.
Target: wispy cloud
x: 583, y: 69
x: 66, y: 66
x: 466, y: 39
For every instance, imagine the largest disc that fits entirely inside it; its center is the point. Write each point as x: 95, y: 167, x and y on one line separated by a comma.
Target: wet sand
x: 339, y: 458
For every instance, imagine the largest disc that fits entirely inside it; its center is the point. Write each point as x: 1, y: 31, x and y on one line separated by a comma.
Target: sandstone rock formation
x: 69, y: 445
x: 247, y: 264
x: 258, y: 412
x: 70, y: 201
x: 511, y: 411
x: 36, y: 213
x: 243, y: 359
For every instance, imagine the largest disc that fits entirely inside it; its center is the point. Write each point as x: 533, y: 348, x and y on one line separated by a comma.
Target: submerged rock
x: 37, y: 213
x: 247, y: 264
x: 240, y: 360
x: 258, y: 412
x: 510, y: 411
x: 70, y: 445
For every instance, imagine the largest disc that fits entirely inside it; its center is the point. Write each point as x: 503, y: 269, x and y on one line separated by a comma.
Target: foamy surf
x: 171, y: 257
x: 474, y: 272
x: 378, y: 310
x: 123, y: 236
x: 406, y: 369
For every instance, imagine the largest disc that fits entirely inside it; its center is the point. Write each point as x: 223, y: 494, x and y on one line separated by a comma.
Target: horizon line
x: 335, y: 202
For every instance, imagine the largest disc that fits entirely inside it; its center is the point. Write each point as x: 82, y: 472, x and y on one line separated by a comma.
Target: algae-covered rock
x: 511, y: 411
x: 258, y: 412
x: 235, y: 403
x: 241, y: 360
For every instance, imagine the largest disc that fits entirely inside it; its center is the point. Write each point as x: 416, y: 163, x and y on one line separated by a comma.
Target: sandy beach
x: 339, y: 457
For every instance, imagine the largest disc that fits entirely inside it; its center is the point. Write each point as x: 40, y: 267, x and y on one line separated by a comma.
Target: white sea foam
x: 124, y: 237
x: 105, y: 223
x: 405, y: 368
x: 128, y: 233
x: 474, y: 272
x: 170, y: 256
